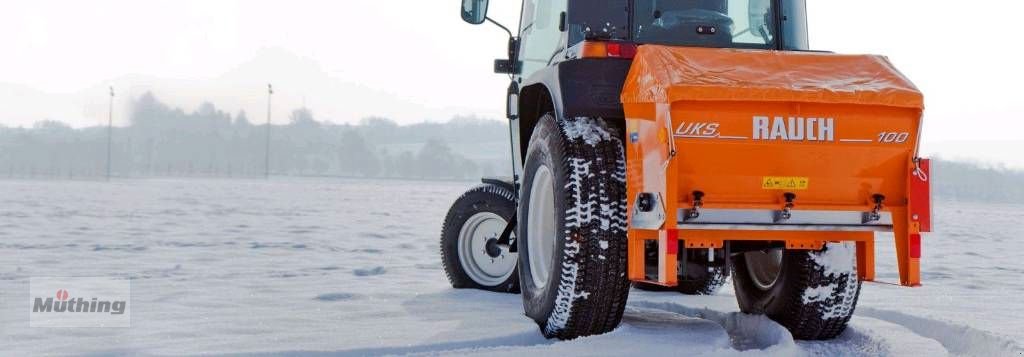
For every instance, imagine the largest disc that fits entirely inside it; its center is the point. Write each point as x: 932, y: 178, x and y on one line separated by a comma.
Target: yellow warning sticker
x: 785, y: 183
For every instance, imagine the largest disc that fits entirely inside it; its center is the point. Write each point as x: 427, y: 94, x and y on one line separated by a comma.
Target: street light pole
x: 110, y: 130
x: 266, y: 164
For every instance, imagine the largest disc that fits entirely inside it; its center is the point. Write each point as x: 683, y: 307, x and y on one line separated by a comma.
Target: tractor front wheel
x: 471, y: 252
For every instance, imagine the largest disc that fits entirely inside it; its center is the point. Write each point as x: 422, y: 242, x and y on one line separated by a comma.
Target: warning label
x: 785, y: 183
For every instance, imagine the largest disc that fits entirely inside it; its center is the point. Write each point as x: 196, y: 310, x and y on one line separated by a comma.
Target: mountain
x: 24, y: 105
x: 298, y: 81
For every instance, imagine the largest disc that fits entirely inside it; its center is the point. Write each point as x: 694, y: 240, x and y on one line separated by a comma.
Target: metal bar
x: 798, y: 218
x: 784, y: 227
x: 266, y: 158
x: 110, y: 131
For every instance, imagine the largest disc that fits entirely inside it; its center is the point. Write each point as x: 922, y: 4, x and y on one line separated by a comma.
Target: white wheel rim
x: 540, y: 230
x: 764, y: 267
x: 476, y: 262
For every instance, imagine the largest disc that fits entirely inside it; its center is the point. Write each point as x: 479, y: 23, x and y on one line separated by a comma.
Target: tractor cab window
x: 708, y: 23
x: 542, y: 38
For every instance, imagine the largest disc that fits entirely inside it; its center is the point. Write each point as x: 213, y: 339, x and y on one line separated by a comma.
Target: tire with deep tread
x: 815, y: 293
x: 587, y: 287
x: 484, y: 198
x: 698, y: 280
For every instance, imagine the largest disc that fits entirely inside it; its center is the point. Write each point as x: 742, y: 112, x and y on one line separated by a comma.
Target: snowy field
x: 346, y: 267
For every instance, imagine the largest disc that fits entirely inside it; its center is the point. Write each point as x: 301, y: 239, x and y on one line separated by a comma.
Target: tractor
x: 672, y: 144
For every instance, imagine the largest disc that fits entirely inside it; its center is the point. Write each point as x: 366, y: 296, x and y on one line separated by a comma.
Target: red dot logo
x: 62, y: 294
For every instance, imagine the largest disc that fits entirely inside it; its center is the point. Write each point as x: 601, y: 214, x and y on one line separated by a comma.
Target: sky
x: 416, y: 60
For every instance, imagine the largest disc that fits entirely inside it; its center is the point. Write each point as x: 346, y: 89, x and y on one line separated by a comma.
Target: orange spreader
x: 797, y: 147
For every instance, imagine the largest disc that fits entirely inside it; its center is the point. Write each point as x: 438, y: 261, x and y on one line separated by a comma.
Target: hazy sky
x: 419, y: 53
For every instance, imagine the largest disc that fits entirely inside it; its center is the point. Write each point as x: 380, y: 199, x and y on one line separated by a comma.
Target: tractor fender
x: 570, y: 89
x: 503, y: 182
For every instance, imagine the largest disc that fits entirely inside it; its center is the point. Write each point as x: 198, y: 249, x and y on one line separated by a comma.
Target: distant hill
x: 298, y: 82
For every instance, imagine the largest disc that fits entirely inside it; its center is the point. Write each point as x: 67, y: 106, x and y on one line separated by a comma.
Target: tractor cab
x: 762, y: 24
x: 552, y: 31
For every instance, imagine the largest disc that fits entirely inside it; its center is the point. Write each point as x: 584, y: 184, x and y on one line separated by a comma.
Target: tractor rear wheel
x: 811, y: 293
x: 572, y: 228
x: 470, y: 249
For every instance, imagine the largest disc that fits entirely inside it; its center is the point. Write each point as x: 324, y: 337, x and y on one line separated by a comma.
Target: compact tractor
x: 669, y: 144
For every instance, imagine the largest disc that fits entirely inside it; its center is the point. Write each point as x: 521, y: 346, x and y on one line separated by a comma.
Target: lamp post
x: 110, y: 130
x: 266, y: 163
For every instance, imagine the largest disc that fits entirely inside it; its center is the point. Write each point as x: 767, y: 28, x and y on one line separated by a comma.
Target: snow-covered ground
x: 348, y: 267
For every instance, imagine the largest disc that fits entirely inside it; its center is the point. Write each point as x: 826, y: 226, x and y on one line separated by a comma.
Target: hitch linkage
x: 698, y: 202
x: 787, y: 210
x: 875, y: 215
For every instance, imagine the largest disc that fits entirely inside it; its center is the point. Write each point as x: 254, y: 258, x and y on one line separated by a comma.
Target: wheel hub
x: 540, y: 230
x: 764, y: 267
x: 483, y: 259
x: 492, y: 248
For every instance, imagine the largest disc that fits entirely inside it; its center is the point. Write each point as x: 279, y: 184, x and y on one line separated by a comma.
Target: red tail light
x: 915, y: 245
x: 601, y: 49
x: 621, y: 50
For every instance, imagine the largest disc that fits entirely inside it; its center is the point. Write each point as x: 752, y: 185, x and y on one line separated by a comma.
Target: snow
x: 567, y: 293
x: 581, y: 211
x: 587, y: 129
x: 836, y: 260
x: 351, y: 268
x: 819, y: 293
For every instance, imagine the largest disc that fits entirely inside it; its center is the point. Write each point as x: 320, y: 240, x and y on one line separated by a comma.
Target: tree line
x: 161, y: 140
x: 966, y: 181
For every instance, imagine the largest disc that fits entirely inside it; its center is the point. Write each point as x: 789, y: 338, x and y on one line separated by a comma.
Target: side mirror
x: 758, y: 12
x: 474, y: 11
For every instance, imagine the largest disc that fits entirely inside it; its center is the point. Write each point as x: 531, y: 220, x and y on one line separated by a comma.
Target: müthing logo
x: 79, y: 302
x: 66, y: 304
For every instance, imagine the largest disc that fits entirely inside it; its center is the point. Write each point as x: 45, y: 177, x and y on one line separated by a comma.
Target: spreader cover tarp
x: 662, y: 74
